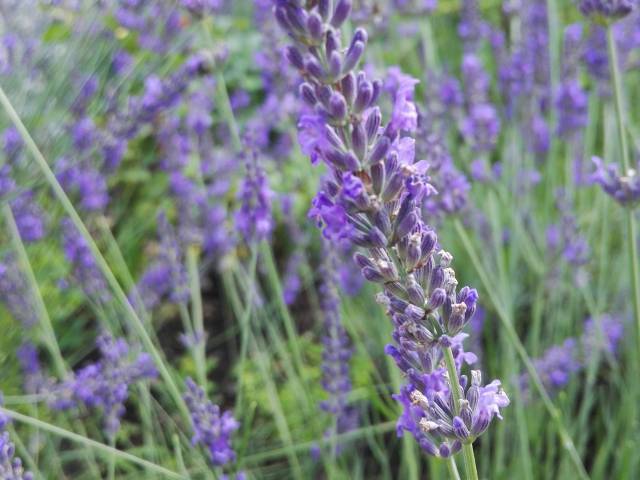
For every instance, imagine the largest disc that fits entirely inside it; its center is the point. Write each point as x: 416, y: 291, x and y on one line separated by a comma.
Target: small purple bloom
x: 212, y: 428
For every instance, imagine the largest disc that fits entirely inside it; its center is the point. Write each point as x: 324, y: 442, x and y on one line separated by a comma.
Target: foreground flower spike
x: 212, y: 429
x: 372, y: 200
x: 10, y: 466
x: 623, y: 188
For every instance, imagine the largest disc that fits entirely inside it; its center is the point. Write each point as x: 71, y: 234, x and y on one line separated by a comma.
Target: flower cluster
x: 84, y: 269
x: 15, y: 292
x: 432, y: 419
x: 623, y: 188
x: 607, y: 9
x: 212, y: 428
x: 561, y: 362
x: 105, y: 383
x: 166, y: 276
x: 254, y: 217
x: 10, y: 466
x: 373, y: 200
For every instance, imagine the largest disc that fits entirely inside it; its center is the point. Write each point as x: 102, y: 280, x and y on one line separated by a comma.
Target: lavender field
x: 319, y: 239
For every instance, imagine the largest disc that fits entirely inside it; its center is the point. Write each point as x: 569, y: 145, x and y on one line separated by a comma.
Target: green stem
x: 452, y: 468
x: 626, y: 164
x: 197, y: 315
x: 43, y: 315
x: 467, y: 448
x: 70, y: 210
x: 512, y: 335
x: 274, y: 281
x: 99, y: 447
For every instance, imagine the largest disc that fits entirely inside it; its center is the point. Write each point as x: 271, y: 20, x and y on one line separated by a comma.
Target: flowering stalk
x: 624, y: 151
x: 196, y: 314
x: 373, y: 200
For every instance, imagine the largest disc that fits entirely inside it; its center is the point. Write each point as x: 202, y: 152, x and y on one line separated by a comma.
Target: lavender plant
x: 373, y: 201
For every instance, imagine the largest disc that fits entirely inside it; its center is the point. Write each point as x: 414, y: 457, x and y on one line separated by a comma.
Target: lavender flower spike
x: 373, y: 202
x: 624, y: 189
x: 211, y: 428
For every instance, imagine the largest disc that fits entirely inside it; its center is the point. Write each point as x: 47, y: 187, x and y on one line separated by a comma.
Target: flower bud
x: 348, y: 84
x: 295, y: 57
x: 314, y: 26
x: 341, y: 12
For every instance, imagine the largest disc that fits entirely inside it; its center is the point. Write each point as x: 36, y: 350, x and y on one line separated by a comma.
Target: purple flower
x: 401, y: 88
x: 212, y: 429
x: 84, y: 269
x: 439, y: 431
x: 609, y: 9
x: 105, y: 383
x: 572, y: 104
x: 11, y: 143
x: 34, y: 378
x: 254, y: 218
x: 15, y: 292
x: 10, y: 466
x: 372, y: 201
x: 166, y: 276
x: 624, y: 189
x: 29, y: 217
x: 561, y: 362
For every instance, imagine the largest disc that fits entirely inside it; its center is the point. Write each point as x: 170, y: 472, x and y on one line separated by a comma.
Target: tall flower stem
x: 456, y: 394
x: 197, y: 316
x: 626, y: 164
x: 512, y: 335
x: 70, y: 210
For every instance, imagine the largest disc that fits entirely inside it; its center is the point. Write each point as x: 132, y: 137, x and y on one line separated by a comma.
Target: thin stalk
x: 197, y: 316
x: 624, y: 151
x: 452, y: 468
x: 99, y: 447
x: 456, y: 393
x: 244, y: 321
x: 512, y: 335
x: 111, y: 474
x: 62, y: 197
x: 130, y: 283
x: 274, y: 281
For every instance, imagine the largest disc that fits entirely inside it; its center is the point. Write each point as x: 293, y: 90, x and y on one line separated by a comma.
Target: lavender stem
x: 456, y: 394
x: 453, y: 468
x: 622, y: 138
x: 505, y: 319
x: 197, y: 316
